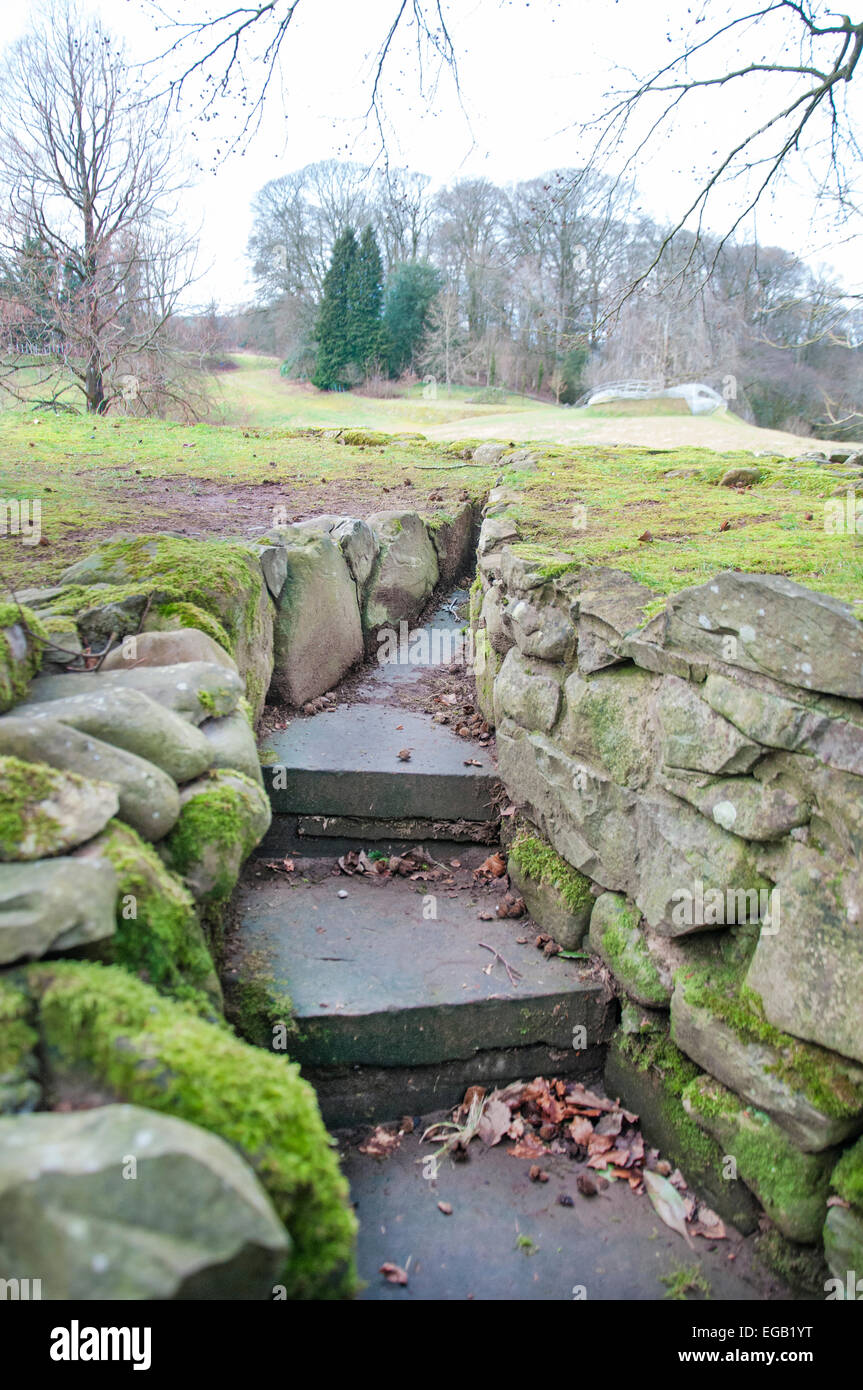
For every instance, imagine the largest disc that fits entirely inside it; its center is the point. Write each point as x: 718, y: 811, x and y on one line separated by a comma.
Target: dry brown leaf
x: 494, y: 866
x: 393, y: 1274
x: 494, y: 1122
x: 528, y: 1147
x: 581, y: 1130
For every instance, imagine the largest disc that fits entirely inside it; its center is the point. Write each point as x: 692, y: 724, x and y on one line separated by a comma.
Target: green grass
x: 96, y: 476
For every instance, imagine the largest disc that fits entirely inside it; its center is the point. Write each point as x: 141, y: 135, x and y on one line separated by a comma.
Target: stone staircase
x: 402, y: 993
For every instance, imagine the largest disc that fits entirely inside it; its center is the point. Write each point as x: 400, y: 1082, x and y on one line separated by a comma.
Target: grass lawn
x: 96, y: 476
x: 255, y: 394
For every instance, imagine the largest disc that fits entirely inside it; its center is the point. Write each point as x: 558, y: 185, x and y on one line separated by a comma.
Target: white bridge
x: 701, y: 399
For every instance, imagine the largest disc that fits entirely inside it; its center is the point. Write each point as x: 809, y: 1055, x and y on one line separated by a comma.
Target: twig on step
x: 514, y: 975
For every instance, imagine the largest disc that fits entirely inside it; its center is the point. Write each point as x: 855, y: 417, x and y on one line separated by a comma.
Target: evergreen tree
x: 410, y: 290
x: 367, y: 300
x: 335, y: 330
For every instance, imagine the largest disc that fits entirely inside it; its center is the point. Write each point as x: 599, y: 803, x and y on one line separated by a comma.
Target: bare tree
x: 234, y: 53
x: 93, y: 263
x: 798, y: 58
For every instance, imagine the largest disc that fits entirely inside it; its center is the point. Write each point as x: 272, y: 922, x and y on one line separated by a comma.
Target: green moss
x: 651, y: 1074
x: 255, y: 1004
x: 23, y: 786
x: 17, y: 671
x: 182, y: 615
x: 17, y: 1037
x: 536, y: 858
x: 360, y: 437
x: 207, y: 701
x: 656, y: 1052
x: 623, y: 948
x: 790, y: 1184
x: 801, y: 1266
x: 215, y: 819
x: 820, y: 1075
x: 681, y: 1282
x: 221, y: 578
x: 154, y: 1052
x: 848, y: 1175
x: 774, y: 528
x: 163, y: 941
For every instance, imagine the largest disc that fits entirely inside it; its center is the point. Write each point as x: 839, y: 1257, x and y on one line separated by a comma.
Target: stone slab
x: 345, y: 762
x: 374, y: 982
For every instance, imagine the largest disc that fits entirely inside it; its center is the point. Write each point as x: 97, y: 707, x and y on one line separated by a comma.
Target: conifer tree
x: 367, y: 304
x: 335, y: 331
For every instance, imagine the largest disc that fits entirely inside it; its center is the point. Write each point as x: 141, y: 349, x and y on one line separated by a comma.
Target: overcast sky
x: 530, y: 73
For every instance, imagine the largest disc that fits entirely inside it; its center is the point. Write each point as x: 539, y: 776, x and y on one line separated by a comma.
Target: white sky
x: 529, y: 71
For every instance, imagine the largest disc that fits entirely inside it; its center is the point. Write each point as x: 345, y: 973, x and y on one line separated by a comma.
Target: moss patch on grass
x: 775, y: 527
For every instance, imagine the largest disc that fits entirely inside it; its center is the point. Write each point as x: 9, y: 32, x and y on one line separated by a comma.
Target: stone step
x: 377, y: 981
x: 345, y: 762
x: 330, y: 836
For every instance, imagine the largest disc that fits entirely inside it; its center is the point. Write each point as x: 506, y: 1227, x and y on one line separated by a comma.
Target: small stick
x: 514, y: 975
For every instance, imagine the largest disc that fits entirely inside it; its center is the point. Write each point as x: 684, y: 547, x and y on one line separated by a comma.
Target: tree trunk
x: 94, y: 388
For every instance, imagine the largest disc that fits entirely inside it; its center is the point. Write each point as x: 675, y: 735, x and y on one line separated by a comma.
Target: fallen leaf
x: 472, y: 1096
x: 445, y: 1208
x: 586, y: 1185
x: 494, y: 866
x: 581, y: 1130
x: 494, y: 1122
x: 667, y: 1203
x: 393, y: 1274
x: 405, y: 755
x: 528, y: 1147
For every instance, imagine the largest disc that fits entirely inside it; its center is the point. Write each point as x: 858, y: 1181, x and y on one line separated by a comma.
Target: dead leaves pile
x: 465, y: 719
x: 414, y: 864
x: 321, y: 703
x: 546, y: 1118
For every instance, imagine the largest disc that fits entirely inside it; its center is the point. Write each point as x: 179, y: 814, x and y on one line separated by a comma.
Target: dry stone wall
x: 702, y: 768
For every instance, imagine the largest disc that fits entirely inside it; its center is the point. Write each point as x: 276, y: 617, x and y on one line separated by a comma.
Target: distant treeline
x: 548, y: 286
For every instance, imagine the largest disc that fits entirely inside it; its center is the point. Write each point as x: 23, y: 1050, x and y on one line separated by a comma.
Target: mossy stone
x: 154, y: 1052
x: 557, y: 896
x: 791, y: 1185
x: 616, y: 936
x: 159, y: 936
